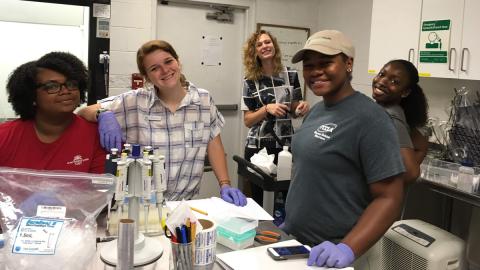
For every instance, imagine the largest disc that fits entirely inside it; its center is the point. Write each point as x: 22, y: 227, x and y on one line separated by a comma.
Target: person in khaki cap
x: 346, y: 188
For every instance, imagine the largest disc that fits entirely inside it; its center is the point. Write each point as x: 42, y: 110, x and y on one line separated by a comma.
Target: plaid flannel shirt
x: 181, y: 136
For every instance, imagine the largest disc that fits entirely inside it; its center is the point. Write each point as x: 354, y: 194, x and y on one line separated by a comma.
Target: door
x: 210, y: 54
x: 470, y: 54
x: 437, y: 37
x: 394, y: 33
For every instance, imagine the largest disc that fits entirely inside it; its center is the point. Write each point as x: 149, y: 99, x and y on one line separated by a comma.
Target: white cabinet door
x: 394, y: 33
x: 435, y: 11
x: 198, y: 42
x: 470, y: 51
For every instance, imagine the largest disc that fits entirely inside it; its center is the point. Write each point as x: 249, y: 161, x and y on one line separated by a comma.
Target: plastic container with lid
x: 236, y: 233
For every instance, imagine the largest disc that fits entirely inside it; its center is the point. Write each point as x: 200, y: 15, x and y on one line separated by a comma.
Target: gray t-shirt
x: 338, y: 151
x: 400, y: 122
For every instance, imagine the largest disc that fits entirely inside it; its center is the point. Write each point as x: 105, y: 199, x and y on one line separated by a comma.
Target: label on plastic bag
x: 50, y: 211
x: 37, y: 236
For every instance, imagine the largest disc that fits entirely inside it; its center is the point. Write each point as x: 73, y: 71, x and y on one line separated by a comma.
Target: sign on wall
x: 435, y: 41
x: 290, y: 39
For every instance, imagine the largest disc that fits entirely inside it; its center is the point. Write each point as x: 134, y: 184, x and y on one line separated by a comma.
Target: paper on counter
x: 258, y: 258
x: 216, y: 207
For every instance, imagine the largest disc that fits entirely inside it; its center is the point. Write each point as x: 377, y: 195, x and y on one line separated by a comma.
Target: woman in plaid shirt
x: 172, y: 115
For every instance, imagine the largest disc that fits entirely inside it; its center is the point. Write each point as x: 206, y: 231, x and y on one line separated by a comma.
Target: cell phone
x: 291, y: 252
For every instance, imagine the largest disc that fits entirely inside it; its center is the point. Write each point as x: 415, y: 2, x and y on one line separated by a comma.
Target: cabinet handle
x: 450, y: 58
x: 411, y: 52
x: 463, y: 56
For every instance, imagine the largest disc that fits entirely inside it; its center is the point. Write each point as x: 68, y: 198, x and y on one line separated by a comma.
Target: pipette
x: 121, y: 187
x: 159, y: 179
x: 146, y: 175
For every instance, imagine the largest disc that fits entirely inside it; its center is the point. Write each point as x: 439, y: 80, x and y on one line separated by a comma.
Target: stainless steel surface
x: 126, y: 239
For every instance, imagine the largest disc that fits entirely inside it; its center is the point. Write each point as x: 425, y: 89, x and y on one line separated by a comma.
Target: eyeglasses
x: 55, y: 87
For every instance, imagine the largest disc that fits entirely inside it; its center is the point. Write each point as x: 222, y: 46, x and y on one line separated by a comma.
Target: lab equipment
x: 125, y: 246
x: 465, y: 122
x: 236, y: 233
x: 284, y: 165
x: 289, y: 252
x: 52, y: 214
x: 110, y: 130
x: 136, y: 171
x: 415, y: 244
x: 267, y: 237
x: 330, y: 255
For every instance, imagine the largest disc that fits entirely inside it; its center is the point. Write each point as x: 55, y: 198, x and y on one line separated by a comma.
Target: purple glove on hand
x: 327, y: 254
x: 233, y: 195
x: 110, y: 131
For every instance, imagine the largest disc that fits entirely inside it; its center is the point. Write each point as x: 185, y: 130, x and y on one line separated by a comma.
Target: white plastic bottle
x: 465, y: 178
x: 284, y: 165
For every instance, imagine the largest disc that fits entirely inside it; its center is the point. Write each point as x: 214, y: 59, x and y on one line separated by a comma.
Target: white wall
x: 30, y: 30
x: 132, y: 24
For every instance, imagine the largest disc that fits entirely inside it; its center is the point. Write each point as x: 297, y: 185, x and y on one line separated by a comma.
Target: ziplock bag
x: 49, y: 218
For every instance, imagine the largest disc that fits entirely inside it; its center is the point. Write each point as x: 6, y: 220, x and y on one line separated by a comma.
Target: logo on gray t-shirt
x: 324, y: 131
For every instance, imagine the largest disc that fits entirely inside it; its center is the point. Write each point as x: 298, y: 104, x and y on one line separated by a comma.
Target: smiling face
x: 264, y: 47
x: 391, y: 84
x: 162, y: 69
x: 65, y: 101
x: 327, y: 75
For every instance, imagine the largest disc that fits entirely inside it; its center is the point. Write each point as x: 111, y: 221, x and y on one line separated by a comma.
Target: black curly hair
x: 415, y: 105
x: 21, y: 85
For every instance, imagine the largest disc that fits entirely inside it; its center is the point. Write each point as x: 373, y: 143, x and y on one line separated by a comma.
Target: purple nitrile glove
x: 110, y: 131
x: 233, y: 195
x: 328, y: 254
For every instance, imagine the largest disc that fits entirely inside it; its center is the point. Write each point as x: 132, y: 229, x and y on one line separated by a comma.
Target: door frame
x: 250, y: 25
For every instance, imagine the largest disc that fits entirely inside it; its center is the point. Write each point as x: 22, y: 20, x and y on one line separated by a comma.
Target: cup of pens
x: 193, y: 239
x: 182, y: 254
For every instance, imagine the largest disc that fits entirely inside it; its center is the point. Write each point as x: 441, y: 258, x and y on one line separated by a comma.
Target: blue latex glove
x: 29, y: 206
x: 110, y: 131
x: 233, y: 195
x: 327, y: 254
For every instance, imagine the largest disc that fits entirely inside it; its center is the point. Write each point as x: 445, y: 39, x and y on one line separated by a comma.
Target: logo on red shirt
x: 78, y: 160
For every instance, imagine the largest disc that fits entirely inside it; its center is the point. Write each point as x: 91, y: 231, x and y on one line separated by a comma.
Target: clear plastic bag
x: 49, y: 218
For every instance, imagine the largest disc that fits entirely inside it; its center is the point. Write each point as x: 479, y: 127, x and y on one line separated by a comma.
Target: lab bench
x: 165, y: 260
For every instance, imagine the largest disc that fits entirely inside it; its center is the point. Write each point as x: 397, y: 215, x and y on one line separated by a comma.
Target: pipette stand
x: 147, y: 250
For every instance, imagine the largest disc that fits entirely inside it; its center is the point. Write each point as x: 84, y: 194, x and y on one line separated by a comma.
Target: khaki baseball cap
x: 329, y: 42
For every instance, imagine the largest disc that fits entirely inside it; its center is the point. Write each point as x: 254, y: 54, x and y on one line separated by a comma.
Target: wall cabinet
x: 470, y: 52
x: 394, y: 32
x: 403, y: 26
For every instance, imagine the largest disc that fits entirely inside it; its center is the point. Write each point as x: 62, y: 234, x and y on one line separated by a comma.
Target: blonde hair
x: 152, y: 46
x: 251, y: 62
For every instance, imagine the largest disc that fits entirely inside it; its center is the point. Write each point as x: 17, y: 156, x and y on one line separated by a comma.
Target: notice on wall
x: 101, y: 10
x: 435, y: 41
x: 212, y: 48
